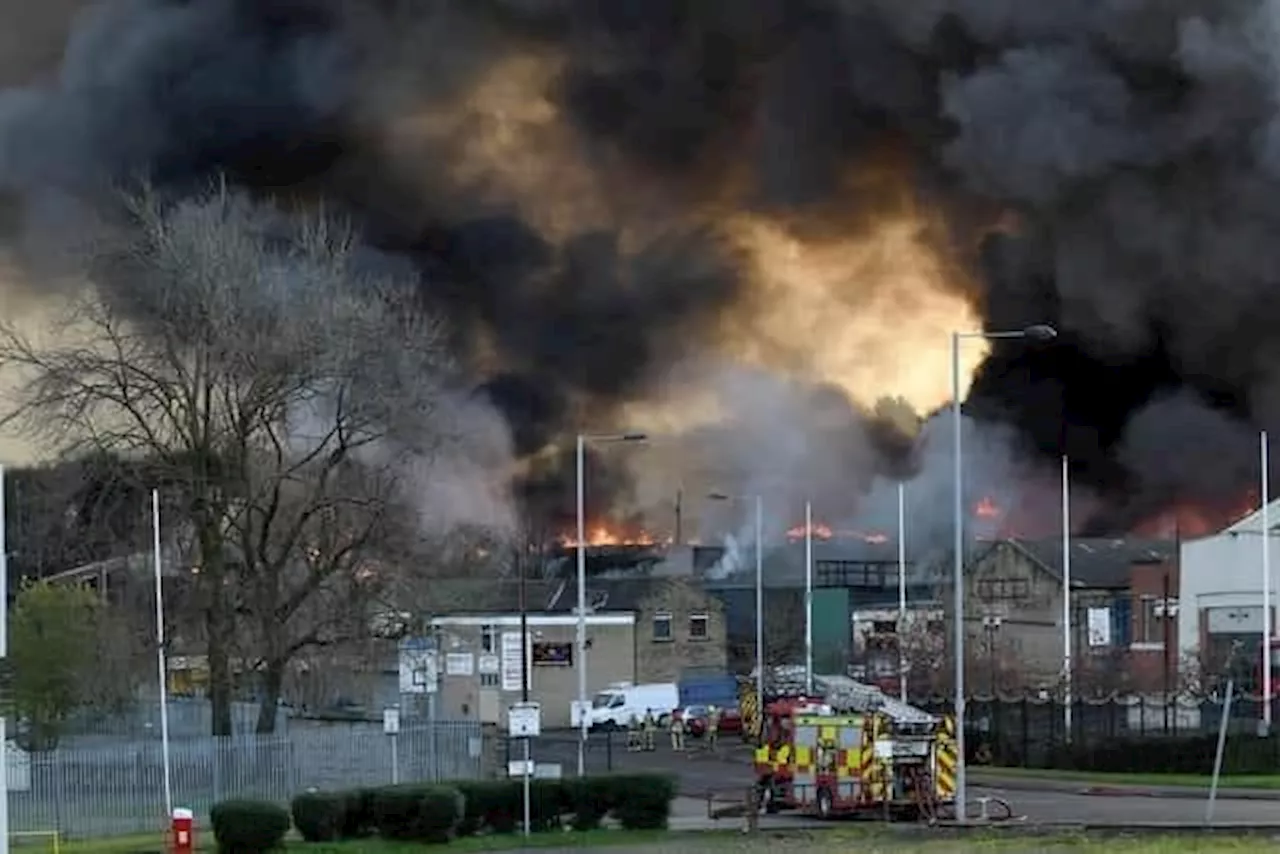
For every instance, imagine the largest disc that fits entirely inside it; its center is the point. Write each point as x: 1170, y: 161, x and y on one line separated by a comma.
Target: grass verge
x: 1248, y: 781
x: 154, y: 843
x: 866, y: 840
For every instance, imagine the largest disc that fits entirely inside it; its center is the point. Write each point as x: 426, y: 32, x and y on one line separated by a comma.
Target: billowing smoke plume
x: 605, y: 198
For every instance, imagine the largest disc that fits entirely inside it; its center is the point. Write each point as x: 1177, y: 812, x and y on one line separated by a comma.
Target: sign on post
x: 524, y: 720
x: 391, y: 721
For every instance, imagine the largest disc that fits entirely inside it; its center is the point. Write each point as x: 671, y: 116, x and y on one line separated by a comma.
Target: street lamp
x: 1038, y: 332
x: 581, y: 645
x: 759, y: 504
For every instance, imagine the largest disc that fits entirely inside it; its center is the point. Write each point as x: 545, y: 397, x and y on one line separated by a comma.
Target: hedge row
x: 438, y: 813
x: 1171, y: 755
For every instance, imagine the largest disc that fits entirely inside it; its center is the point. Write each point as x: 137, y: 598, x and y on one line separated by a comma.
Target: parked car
x: 695, y: 720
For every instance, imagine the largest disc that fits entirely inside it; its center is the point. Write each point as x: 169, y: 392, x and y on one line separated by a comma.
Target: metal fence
x: 1030, y: 732
x: 116, y: 789
x: 555, y: 752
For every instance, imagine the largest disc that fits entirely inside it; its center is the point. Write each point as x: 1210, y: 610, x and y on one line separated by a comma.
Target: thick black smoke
x: 1134, y: 143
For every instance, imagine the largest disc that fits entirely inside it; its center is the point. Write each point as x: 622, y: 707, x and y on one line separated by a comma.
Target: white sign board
x: 459, y: 664
x: 512, y: 671
x: 490, y: 664
x: 19, y: 768
x: 419, y: 670
x: 1099, y: 626
x: 391, y: 721
x: 524, y: 720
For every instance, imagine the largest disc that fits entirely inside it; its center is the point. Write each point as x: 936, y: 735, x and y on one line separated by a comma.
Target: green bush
x: 442, y: 808
x: 249, y: 827
x: 643, y: 801
x: 490, y: 805
x: 320, y: 816
x: 417, y: 812
x: 1245, y: 754
x: 589, y: 799
x: 498, y: 805
x: 357, y: 815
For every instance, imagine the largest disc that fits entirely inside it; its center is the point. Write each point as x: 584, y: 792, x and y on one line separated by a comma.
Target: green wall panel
x: 830, y: 629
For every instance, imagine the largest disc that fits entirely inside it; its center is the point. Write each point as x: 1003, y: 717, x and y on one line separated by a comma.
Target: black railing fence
x: 1033, y: 732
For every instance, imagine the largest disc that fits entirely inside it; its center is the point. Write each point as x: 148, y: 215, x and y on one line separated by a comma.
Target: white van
x: 614, y: 707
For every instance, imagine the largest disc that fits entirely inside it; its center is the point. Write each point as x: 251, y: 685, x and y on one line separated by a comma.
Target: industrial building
x: 1221, y: 583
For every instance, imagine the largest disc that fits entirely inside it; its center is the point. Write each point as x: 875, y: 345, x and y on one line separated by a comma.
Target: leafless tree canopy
x: 295, y: 400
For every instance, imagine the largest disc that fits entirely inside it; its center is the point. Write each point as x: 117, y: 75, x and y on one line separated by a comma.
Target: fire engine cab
x: 856, y: 751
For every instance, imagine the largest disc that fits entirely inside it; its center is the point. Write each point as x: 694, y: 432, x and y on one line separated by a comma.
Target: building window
x: 1003, y: 589
x: 699, y: 627
x: 662, y: 626
x: 844, y: 573
x: 488, y: 639
x: 490, y: 680
x: 1153, y: 617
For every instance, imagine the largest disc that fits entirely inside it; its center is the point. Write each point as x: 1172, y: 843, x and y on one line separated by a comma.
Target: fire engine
x: 856, y: 751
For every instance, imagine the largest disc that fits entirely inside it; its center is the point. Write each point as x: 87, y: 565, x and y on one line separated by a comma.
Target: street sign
x: 524, y: 720
x: 391, y: 721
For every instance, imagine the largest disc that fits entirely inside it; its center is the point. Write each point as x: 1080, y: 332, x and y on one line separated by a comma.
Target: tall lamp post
x: 580, y: 650
x: 759, y: 505
x: 1039, y: 332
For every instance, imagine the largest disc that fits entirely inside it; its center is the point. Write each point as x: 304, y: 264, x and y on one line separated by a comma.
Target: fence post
x: 1026, y: 733
x: 608, y: 750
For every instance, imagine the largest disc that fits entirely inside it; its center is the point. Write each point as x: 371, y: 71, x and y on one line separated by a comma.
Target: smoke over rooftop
x: 739, y: 224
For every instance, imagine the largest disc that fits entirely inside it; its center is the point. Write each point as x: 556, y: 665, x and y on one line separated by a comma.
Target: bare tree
x: 281, y: 389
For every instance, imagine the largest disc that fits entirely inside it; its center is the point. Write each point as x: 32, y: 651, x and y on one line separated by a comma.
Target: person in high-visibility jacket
x: 713, y: 727
x: 677, y: 731
x: 650, y: 728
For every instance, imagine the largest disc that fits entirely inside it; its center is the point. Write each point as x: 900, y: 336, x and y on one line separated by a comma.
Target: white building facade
x: 1221, y: 589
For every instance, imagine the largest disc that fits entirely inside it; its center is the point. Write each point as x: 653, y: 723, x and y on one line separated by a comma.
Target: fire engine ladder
x: 845, y: 694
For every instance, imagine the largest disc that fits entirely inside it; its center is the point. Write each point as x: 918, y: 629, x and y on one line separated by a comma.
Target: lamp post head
x: 718, y: 496
x: 639, y: 437
x: 1040, y: 332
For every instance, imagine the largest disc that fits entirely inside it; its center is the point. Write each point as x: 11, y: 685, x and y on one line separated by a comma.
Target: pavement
x: 1016, y: 783
x: 1074, y: 803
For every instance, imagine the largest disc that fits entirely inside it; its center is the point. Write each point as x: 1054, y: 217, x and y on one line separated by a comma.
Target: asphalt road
x: 729, y: 773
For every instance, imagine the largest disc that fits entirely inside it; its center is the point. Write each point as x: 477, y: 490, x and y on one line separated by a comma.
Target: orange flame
x: 824, y: 532
x: 818, y: 530
x: 987, y: 509
x: 601, y: 534
x: 1187, y: 520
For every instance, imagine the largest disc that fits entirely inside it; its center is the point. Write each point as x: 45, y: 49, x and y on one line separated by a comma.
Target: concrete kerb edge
x: 1084, y: 787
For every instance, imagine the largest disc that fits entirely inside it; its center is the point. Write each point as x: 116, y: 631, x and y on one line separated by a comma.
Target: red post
x: 182, y: 834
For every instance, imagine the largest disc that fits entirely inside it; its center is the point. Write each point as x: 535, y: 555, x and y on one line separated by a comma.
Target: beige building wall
x: 1006, y: 584
x: 679, y: 628
x: 476, y: 682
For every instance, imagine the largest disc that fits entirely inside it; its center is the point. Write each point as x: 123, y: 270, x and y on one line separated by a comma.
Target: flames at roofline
x: 988, y: 518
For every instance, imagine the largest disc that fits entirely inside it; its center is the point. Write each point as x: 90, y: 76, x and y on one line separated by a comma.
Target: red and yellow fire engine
x: 859, y: 751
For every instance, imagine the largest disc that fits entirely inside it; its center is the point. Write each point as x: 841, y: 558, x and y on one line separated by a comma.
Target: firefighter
x: 677, y: 731
x: 826, y: 755
x: 713, y: 727
x: 650, y: 726
x: 633, y: 734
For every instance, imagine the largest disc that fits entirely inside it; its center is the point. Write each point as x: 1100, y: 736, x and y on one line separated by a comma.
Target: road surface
x: 729, y: 773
